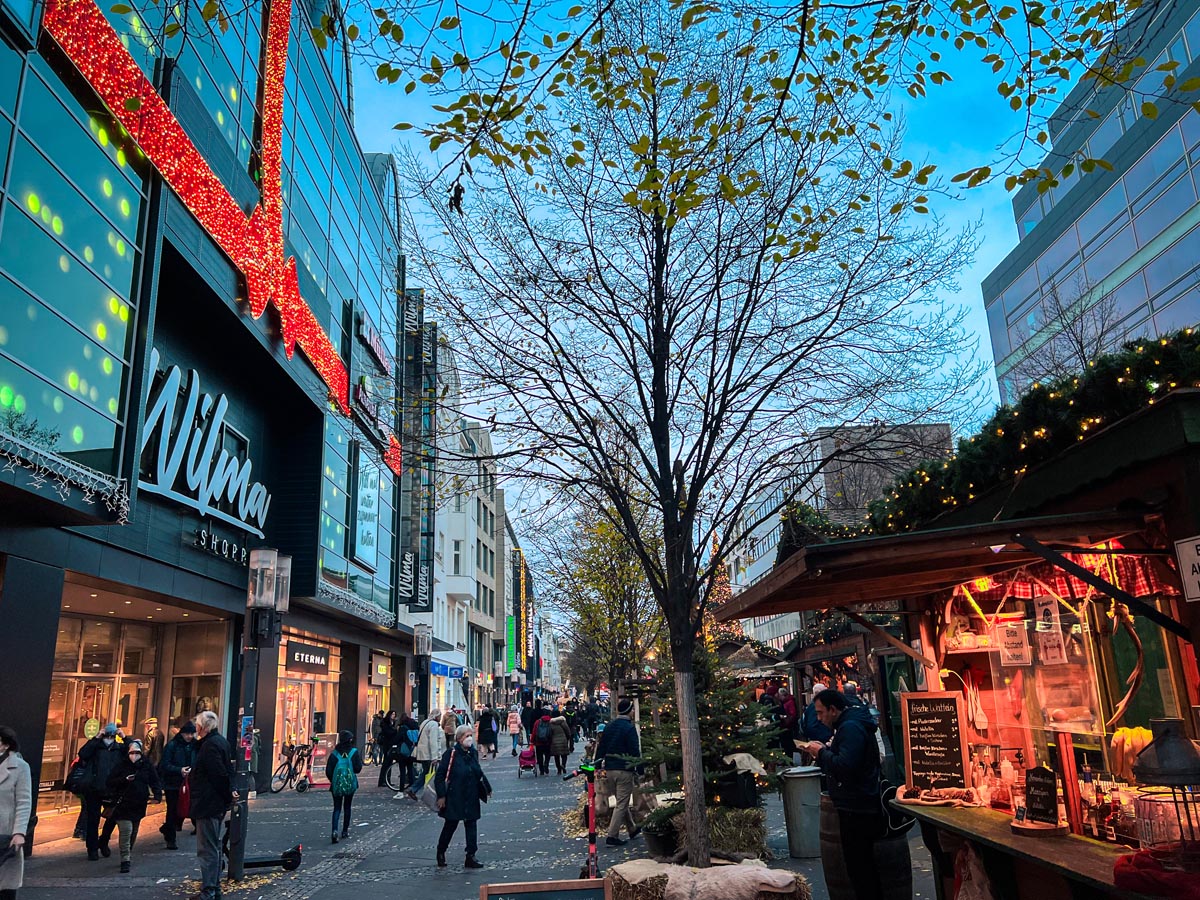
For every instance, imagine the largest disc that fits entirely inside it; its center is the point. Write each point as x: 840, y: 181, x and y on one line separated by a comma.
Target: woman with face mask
x: 131, y: 783
x: 461, y: 785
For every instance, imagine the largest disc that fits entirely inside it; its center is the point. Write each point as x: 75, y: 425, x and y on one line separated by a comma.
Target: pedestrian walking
x: 389, y: 734
x: 616, y: 752
x: 407, y: 735
x: 450, y: 722
x: 514, y: 727
x: 341, y: 771
x: 562, y: 741
x: 210, y: 781
x: 850, y: 763
x: 430, y: 746
x: 542, y: 738
x: 488, y: 726
x: 528, y: 717
x: 16, y: 806
x: 461, y: 786
x: 130, y: 784
x: 178, y: 756
x: 100, y: 755
x: 153, y: 741
x: 376, y: 725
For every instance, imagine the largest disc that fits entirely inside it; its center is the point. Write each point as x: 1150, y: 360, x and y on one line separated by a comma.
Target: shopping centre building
x: 201, y: 344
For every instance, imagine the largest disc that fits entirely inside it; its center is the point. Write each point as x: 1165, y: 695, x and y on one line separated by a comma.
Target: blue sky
x: 959, y: 125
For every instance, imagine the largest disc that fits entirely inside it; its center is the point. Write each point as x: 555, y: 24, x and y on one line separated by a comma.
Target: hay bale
x: 732, y: 831
x: 645, y: 880
x: 649, y: 889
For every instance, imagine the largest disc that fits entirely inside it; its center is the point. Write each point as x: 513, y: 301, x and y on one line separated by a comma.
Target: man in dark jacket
x: 178, y: 754
x: 389, y: 733
x: 210, y: 782
x: 101, y: 754
x: 528, y: 717
x: 617, y: 753
x: 851, y: 765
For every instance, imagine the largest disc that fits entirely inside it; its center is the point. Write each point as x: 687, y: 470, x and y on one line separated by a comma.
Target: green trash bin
x: 802, y: 811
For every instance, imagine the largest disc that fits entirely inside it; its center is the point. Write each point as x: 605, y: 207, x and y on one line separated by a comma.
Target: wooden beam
x: 883, y: 635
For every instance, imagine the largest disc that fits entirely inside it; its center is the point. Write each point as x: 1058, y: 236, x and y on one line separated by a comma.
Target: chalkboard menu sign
x: 1041, y: 796
x: 935, y: 753
x: 573, y: 889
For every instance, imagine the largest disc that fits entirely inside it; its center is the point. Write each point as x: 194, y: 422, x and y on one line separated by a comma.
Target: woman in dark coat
x: 562, y: 742
x: 389, y: 733
x: 488, y: 726
x: 132, y: 781
x: 460, y: 785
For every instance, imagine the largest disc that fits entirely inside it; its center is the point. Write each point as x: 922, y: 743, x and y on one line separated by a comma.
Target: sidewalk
x: 392, y: 846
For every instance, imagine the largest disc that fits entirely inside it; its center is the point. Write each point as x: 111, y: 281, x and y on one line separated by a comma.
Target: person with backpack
x: 488, y: 726
x: 341, y: 770
x: 130, y: 784
x: 542, y: 740
x: 408, y: 733
x: 389, y: 734
x: 178, y: 754
x: 430, y: 746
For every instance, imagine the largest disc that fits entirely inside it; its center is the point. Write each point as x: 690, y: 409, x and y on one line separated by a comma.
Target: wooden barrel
x: 892, y: 861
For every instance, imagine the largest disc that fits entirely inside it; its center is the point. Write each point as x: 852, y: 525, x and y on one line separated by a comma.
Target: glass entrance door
x: 134, y: 698
x: 79, y: 708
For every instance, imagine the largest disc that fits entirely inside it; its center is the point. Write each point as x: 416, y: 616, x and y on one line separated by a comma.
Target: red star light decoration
x: 253, y: 244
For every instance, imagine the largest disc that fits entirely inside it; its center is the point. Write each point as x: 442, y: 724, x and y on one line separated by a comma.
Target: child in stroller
x: 527, y: 762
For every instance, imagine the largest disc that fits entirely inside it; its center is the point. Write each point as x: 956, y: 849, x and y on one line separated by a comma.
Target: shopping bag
x: 429, y: 795
x: 184, y: 805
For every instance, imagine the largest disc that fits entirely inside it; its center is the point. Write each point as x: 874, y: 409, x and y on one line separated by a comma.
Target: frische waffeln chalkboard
x: 935, y: 752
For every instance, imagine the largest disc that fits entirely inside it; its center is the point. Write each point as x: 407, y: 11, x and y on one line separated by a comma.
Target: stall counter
x: 1018, y: 865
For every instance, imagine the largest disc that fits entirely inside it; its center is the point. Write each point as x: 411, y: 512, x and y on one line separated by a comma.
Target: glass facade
x: 1134, y: 244
x: 72, y: 196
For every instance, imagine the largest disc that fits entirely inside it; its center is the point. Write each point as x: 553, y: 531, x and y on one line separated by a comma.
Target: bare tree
x: 1071, y: 330
x: 662, y: 315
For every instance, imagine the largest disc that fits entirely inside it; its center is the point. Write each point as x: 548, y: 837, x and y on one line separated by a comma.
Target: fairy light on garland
x: 255, y: 245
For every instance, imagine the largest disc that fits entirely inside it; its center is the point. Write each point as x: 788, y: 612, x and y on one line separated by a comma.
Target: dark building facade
x: 199, y: 355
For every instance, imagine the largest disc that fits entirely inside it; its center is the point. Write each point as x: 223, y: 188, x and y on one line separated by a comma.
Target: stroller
x: 527, y: 762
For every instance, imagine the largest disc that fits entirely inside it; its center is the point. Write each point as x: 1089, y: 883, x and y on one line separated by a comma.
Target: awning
x: 891, y: 567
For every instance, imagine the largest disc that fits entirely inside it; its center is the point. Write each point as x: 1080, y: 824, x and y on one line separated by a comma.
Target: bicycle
x: 294, y: 769
x: 393, y: 775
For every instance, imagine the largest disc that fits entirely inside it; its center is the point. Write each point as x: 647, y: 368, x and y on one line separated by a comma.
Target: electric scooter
x: 590, y: 869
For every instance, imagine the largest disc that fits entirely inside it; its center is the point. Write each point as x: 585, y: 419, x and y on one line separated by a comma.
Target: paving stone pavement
x: 391, y: 849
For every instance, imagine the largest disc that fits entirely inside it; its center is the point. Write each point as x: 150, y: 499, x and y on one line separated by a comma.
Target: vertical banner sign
x: 366, y: 509
x: 510, y: 644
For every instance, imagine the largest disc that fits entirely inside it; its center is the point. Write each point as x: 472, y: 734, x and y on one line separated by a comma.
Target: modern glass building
x: 1120, y: 243
x: 174, y: 391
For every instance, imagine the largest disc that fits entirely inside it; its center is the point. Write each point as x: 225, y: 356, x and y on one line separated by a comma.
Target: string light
x: 254, y: 244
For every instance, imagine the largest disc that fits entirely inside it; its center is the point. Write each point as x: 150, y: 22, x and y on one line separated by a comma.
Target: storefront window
x: 306, y: 702
x: 141, y: 650
x: 199, y: 662
x: 100, y: 647
x: 66, y: 649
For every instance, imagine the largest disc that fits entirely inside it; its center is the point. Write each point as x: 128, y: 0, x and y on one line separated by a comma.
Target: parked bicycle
x: 295, y: 768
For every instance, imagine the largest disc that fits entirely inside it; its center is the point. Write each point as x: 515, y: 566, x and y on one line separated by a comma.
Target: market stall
x: 1054, y: 613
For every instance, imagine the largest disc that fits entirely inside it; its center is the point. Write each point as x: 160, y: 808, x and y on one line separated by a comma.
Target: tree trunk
x: 693, y: 762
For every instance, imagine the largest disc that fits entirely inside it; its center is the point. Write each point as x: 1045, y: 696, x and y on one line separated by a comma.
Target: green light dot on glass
x: 57, y: 404
x: 87, y: 351
x: 113, y: 305
x: 120, y: 247
x: 103, y: 135
x: 47, y: 216
x: 6, y: 396
x: 31, y: 312
x: 220, y: 117
x: 112, y: 405
x: 112, y: 239
x: 64, y: 264
x: 83, y: 386
x: 77, y: 434
x: 101, y: 330
x: 3, y: 335
x: 89, y: 254
x: 106, y: 365
x: 107, y: 187
x: 125, y: 208
x: 123, y: 313
x: 34, y: 202
x: 93, y: 124
x: 19, y: 403
x: 73, y: 380
x: 56, y: 224
x: 120, y: 157
x: 94, y: 394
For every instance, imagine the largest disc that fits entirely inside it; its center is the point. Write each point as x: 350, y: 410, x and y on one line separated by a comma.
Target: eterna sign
x: 188, y: 464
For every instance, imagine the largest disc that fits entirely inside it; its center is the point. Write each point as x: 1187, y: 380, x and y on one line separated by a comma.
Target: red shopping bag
x: 184, y: 806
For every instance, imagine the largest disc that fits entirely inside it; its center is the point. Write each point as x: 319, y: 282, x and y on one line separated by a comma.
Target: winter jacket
x: 131, y: 795
x: 562, y: 741
x: 356, y: 760
x: 487, y: 727
x: 388, y: 735
x: 789, y: 714
x: 101, y: 760
x: 211, y: 780
x: 813, y: 728
x: 851, y: 761
x: 406, y: 747
x: 529, y: 715
x: 619, y: 745
x: 177, y: 756
x: 449, y: 723
x: 16, y: 806
x: 457, y: 780
x: 432, y: 741
x: 514, y: 723
x: 537, y: 726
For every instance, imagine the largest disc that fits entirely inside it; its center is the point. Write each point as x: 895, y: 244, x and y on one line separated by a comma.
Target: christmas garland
x: 1045, y: 421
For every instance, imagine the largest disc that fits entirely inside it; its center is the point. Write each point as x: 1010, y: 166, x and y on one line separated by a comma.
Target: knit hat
x: 110, y: 729
x: 188, y: 727
x: 624, y: 706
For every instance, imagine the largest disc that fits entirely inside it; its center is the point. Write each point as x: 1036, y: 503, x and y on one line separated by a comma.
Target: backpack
x: 408, y: 744
x: 80, y: 777
x: 541, y: 734
x: 344, y: 781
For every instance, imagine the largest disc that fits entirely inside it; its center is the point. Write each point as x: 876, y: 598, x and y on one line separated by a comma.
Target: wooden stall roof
x: 889, y: 567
